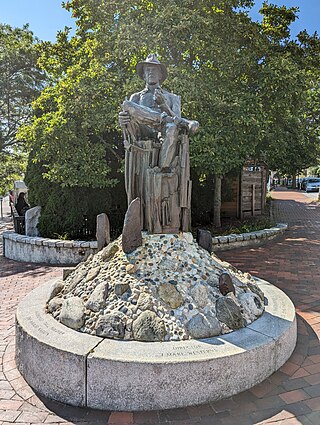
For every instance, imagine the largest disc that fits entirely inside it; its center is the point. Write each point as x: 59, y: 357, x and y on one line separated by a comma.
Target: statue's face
x: 152, y: 74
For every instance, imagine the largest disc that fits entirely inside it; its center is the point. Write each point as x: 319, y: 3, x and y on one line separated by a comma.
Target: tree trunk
x: 217, y: 201
x: 294, y: 181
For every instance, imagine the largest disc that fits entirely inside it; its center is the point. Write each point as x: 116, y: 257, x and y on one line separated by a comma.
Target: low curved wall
x: 42, y: 250
x: 55, y: 251
x: 224, y: 243
x: 106, y: 374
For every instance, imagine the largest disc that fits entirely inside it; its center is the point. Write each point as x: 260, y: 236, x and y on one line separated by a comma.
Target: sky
x: 46, y: 17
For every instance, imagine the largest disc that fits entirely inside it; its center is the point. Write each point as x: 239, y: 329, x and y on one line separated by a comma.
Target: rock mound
x: 165, y: 290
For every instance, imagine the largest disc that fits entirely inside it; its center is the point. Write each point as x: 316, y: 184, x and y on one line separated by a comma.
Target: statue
x: 156, y: 141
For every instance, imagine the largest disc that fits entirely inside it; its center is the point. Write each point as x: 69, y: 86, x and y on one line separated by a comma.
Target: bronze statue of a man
x: 156, y: 155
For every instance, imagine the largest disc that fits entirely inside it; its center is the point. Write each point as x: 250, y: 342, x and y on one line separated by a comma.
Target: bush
x: 70, y: 212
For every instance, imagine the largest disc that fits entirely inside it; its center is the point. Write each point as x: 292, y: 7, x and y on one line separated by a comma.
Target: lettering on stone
x: 39, y: 324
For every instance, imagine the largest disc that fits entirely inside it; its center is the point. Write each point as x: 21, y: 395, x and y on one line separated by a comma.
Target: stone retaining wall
x: 42, y: 250
x: 224, y: 243
x: 55, y: 251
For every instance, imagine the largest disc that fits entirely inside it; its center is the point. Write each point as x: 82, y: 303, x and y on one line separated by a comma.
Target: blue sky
x: 46, y: 17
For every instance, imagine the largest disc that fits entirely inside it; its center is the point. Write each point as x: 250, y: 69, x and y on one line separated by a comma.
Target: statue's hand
x: 158, y: 97
x: 124, y: 119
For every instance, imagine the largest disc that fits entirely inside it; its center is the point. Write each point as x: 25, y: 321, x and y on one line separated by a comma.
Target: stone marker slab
x: 32, y: 217
x: 103, y: 230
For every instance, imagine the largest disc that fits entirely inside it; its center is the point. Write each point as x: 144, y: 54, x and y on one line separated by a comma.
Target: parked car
x: 304, y: 182
x: 313, y: 185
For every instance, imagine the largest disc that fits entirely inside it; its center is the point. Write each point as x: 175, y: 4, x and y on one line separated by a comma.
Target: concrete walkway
x: 290, y: 396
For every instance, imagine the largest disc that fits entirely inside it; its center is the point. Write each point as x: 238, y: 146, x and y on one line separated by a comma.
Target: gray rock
x: 204, y: 239
x: 120, y: 288
x: 225, y: 284
x: 144, y: 302
x: 31, y: 221
x: 109, y: 251
x: 200, y: 295
x: 92, y: 273
x: 75, y: 278
x: 111, y: 325
x: 55, y: 288
x: 201, y: 326
x: 229, y: 312
x: 254, y: 288
x: 98, y: 297
x: 54, y: 304
x: 252, y: 304
x: 170, y: 295
x: 131, y: 233
x: 67, y: 272
x: 103, y: 230
x: 72, y: 313
x: 148, y: 327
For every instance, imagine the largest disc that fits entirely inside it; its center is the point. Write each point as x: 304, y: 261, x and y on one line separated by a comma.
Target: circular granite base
x: 83, y: 370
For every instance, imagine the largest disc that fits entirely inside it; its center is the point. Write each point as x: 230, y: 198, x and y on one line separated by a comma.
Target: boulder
x: 254, y: 288
x: 225, y: 284
x: 228, y: 312
x: 170, y: 295
x: 148, y: 327
x: 55, y: 288
x: 72, y: 312
x: 109, y: 251
x: 54, y: 304
x: 201, y: 326
x: 200, y: 295
x: 251, y: 304
x: 111, y: 325
x: 92, y: 273
x: 98, y: 297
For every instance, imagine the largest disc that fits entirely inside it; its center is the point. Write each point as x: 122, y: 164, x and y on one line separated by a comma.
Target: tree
x: 20, y: 83
x: 237, y: 77
x: 290, y: 93
x: 213, y: 71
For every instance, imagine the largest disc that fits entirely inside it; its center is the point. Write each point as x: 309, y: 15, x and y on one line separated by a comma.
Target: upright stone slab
x: 103, y: 230
x: 204, y: 239
x: 31, y: 221
x: 131, y: 233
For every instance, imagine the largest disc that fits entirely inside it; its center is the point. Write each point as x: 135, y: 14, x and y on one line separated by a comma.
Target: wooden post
x: 253, y: 199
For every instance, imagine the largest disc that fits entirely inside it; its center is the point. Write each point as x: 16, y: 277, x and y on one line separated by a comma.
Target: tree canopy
x: 20, y: 83
x: 254, y: 90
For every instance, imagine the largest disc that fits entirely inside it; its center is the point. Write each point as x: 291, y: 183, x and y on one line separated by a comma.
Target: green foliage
x: 245, y: 226
x: 254, y: 92
x: 20, y: 83
x: 12, y: 168
x: 72, y: 211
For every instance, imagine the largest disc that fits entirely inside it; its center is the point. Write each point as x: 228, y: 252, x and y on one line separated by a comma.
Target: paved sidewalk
x: 290, y: 396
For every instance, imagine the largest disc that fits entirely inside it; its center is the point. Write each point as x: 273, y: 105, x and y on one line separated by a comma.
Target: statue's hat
x: 152, y: 60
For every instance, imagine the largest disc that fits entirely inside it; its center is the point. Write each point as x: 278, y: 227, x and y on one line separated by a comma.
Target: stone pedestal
x: 80, y: 370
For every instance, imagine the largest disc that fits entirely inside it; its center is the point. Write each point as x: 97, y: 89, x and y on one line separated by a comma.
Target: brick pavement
x: 290, y: 396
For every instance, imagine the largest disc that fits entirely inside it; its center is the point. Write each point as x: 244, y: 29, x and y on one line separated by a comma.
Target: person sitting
x: 22, y: 206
